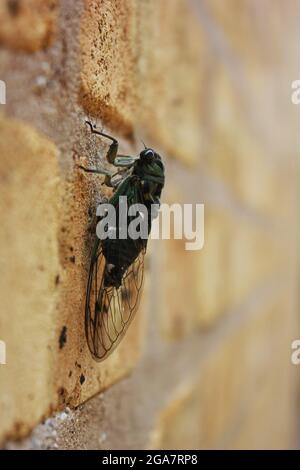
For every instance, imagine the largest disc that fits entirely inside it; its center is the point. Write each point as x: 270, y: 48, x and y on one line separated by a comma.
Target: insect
x: 117, y: 265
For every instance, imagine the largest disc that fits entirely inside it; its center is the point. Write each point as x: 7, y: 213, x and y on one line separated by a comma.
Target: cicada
x: 116, y: 270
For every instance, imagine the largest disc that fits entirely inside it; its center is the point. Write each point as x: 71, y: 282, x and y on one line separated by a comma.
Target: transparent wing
x: 124, y: 160
x: 109, y: 311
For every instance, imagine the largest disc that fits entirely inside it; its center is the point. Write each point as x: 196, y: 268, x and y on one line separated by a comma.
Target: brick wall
x: 206, y: 363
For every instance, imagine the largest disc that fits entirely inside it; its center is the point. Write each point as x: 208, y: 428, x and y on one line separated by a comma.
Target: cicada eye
x: 147, y: 154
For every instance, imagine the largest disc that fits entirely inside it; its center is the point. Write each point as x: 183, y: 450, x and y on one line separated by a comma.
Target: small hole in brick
x: 82, y: 379
x: 13, y: 7
x: 18, y: 427
x: 57, y: 279
x: 72, y: 259
x: 62, y: 337
x: 52, y: 6
x: 70, y: 373
x: 62, y: 394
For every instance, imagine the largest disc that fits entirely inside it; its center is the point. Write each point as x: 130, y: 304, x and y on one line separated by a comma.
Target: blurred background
x: 207, y: 362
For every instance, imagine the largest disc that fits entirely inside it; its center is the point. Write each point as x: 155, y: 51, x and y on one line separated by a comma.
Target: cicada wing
x: 95, y: 279
x: 109, y: 311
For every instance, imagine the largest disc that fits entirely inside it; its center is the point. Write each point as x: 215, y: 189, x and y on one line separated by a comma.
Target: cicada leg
x: 112, y: 156
x: 113, y: 148
x: 108, y: 180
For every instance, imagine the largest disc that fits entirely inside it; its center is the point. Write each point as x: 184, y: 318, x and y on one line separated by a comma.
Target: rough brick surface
x: 239, y: 154
x: 78, y: 376
x: 108, y: 60
x: 238, y: 256
x: 134, y: 52
x: 27, y: 25
x: 45, y: 264
x: 229, y: 406
x: 29, y: 266
x: 245, y: 31
x: 206, y: 362
x: 171, y: 48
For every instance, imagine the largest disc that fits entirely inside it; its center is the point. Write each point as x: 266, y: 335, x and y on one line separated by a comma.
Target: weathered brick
x: 108, y: 61
x: 245, y: 33
x: 76, y: 241
x: 148, y: 70
x: 238, y: 401
x: 222, y: 153
x: 267, y: 423
x: 45, y: 258
x: 255, y: 256
x: 29, y: 267
x: 176, y: 270
x: 211, y: 276
x: 27, y: 25
x: 238, y: 256
x: 134, y: 52
x: 238, y: 156
x: 178, y: 426
x: 173, y: 59
x: 178, y: 312
x: 260, y: 181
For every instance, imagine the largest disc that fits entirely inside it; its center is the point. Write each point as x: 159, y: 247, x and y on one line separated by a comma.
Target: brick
x: 27, y: 25
x: 176, y: 271
x: 255, y: 258
x: 239, y: 33
x: 132, y: 53
x: 245, y: 32
x: 46, y: 243
x: 178, y: 427
x: 147, y: 70
x: 108, y: 62
x: 237, y: 401
x: 179, y: 312
x: 100, y: 376
x: 268, y: 420
x: 238, y: 156
x: 213, y: 261
x: 259, y: 182
x: 76, y: 241
x: 30, y: 263
x: 222, y: 153
x: 174, y: 66
x: 237, y: 257
x: 261, y: 427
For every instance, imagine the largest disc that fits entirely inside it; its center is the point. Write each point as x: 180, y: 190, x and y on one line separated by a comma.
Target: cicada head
x: 148, y: 155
